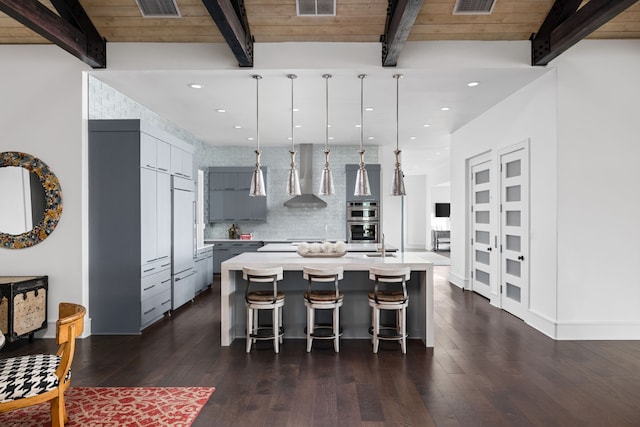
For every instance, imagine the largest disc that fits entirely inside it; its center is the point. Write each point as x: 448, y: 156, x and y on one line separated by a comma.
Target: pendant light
x: 398, y: 176
x: 257, y: 179
x: 293, y: 183
x: 362, y: 178
x: 326, y: 180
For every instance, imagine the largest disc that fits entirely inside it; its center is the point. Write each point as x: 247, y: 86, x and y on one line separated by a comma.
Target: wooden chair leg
x: 57, y: 412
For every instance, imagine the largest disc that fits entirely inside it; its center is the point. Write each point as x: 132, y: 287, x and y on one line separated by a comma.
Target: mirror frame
x: 53, y: 200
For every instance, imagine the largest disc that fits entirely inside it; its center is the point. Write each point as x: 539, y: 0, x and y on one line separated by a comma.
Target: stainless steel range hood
x: 307, y: 199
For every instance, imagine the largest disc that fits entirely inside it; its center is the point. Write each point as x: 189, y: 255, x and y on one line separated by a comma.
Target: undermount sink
x: 379, y: 255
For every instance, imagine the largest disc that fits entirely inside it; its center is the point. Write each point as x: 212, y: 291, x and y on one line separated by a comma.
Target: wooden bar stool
x: 263, y: 299
x: 323, y: 299
x: 389, y: 293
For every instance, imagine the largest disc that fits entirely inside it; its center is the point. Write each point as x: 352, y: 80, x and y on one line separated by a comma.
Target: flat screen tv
x: 443, y: 210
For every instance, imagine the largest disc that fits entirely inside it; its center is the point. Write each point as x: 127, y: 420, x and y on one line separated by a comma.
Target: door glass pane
x: 513, y: 168
x: 513, y: 218
x: 482, y: 277
x: 483, y: 257
x: 513, y: 267
x: 513, y: 243
x: 513, y: 292
x: 482, y: 196
x: 513, y: 193
x: 482, y: 177
x: 482, y: 217
x: 482, y: 237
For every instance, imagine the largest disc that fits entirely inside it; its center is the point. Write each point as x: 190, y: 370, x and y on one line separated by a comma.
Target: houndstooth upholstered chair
x: 32, y: 379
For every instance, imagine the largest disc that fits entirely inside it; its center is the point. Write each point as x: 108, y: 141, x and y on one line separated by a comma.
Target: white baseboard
x: 542, y: 323
x: 459, y: 281
x: 598, y: 331
x: 50, y: 332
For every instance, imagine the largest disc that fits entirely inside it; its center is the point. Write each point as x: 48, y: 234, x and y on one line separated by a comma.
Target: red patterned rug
x: 119, y: 407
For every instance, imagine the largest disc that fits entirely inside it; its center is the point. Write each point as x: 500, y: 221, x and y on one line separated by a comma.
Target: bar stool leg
x: 336, y: 329
x: 249, y: 328
x: 276, y: 339
x: 376, y: 328
x: 280, y: 323
x: 403, y: 329
x: 310, y: 323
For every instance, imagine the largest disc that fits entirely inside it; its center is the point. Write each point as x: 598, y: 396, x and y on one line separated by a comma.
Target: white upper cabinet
x: 154, y: 153
x: 181, y: 163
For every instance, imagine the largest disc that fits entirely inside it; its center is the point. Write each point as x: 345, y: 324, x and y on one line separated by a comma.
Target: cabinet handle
x: 166, y: 302
x: 147, y: 312
x: 165, y: 281
x: 150, y: 166
x: 150, y: 287
x: 165, y: 265
x: 163, y: 169
x: 146, y: 271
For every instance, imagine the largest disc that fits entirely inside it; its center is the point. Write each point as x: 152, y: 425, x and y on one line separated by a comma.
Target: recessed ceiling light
x: 289, y: 138
x: 237, y: 127
x: 296, y: 109
x: 328, y: 126
x: 250, y: 138
x: 426, y: 125
x: 368, y: 109
x: 330, y: 137
x: 298, y: 126
x: 370, y: 137
x: 221, y: 110
x: 412, y: 137
x: 473, y: 84
x: 446, y: 108
x: 438, y: 153
x: 357, y: 126
x: 195, y: 86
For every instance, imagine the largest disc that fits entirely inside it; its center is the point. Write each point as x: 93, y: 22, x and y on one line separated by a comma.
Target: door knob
x: 521, y: 257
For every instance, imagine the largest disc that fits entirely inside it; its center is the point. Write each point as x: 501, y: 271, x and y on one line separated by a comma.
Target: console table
x: 23, y: 305
x: 440, y: 236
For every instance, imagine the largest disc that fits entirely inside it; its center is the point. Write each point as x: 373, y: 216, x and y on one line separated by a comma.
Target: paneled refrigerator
x: 183, y: 250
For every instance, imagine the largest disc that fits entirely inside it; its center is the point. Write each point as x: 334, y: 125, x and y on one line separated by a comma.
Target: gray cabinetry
x: 130, y: 228
x: 225, y: 249
x: 204, y: 268
x: 229, y: 199
x: 373, y: 172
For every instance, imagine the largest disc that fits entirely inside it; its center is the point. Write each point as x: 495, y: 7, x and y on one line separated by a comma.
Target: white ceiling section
x: 435, y: 76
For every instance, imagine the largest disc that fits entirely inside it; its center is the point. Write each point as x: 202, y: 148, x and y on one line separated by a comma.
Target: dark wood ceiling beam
x: 70, y: 36
x: 566, y: 25
x: 231, y: 18
x: 401, y: 14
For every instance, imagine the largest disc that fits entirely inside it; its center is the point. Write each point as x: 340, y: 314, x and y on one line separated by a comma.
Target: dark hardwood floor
x: 487, y: 369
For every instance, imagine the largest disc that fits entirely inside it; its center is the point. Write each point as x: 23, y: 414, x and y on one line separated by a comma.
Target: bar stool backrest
x: 325, y: 274
x: 262, y: 275
x: 391, y: 276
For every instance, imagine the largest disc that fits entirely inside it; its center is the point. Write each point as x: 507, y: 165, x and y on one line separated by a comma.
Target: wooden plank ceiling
x: 355, y: 21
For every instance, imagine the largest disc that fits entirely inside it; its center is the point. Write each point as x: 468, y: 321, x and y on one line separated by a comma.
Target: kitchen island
x: 355, y: 314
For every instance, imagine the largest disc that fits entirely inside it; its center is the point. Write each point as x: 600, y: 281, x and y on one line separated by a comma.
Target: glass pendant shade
x: 362, y: 178
x: 293, y: 182
x: 398, y: 176
x: 257, y: 179
x: 326, y: 180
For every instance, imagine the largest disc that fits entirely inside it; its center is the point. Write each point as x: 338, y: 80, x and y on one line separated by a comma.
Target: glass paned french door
x: 481, y: 247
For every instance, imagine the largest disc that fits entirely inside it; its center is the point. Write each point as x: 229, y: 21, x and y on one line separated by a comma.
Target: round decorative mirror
x: 33, y: 200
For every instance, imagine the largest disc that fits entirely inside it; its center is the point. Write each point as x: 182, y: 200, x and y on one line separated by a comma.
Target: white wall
x: 580, y: 122
x: 41, y: 114
x: 598, y: 195
x: 528, y: 114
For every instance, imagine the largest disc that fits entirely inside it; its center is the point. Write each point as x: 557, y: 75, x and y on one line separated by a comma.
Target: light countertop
x: 351, y: 247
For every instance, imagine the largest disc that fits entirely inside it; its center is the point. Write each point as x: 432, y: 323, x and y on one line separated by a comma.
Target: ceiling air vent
x: 473, y: 7
x: 158, y: 8
x: 316, y: 7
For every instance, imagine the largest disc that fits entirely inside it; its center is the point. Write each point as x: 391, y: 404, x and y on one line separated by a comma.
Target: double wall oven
x: 363, y: 221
